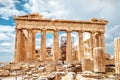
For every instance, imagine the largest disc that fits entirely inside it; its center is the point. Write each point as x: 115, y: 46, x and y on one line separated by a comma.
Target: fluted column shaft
x: 69, y: 47
x: 103, y: 41
x: 56, y: 46
x: 117, y: 55
x: 18, y: 43
x: 99, y: 60
x: 33, y: 46
x: 23, y: 48
x: 43, y: 45
x: 93, y: 43
x: 81, y: 48
x: 29, y: 46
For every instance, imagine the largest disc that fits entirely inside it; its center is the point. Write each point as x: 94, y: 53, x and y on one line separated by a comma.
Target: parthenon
x: 77, y: 52
x: 28, y: 25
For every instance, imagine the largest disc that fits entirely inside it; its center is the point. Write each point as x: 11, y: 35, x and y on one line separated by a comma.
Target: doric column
x: 95, y: 39
x: 117, y: 55
x: 81, y: 48
x: 99, y: 60
x: 29, y: 46
x: 69, y: 47
x: 102, y: 40
x: 23, y: 47
x: 43, y: 45
x: 18, y: 43
x: 33, y: 46
x: 56, y: 46
x: 91, y: 43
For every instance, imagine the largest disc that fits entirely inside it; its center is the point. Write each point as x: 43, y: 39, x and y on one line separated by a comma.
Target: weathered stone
x: 87, y: 65
x: 60, y: 68
x: 28, y: 25
x: 107, y: 56
x: 4, y: 73
x: 99, y: 60
x: 32, y: 66
x: 117, y: 55
x: 67, y: 77
x: 7, y: 67
x: 41, y: 69
x: 50, y: 67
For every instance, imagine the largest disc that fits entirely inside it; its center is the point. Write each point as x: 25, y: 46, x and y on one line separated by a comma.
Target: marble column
x: 103, y: 41
x: 81, y: 47
x: 23, y: 48
x: 56, y: 46
x: 91, y: 43
x: 29, y: 46
x: 94, y: 39
x: 69, y: 47
x: 117, y: 55
x: 33, y: 46
x: 99, y: 60
x: 43, y: 45
x: 18, y: 43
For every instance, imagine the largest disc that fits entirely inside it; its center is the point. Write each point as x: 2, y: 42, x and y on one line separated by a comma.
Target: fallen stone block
x: 4, y: 73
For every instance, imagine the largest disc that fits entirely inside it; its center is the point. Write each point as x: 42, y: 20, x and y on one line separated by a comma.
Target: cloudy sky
x: 57, y: 9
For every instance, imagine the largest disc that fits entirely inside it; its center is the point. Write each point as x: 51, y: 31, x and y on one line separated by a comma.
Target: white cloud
x: 3, y: 36
x: 8, y: 9
x: 6, y: 13
x: 86, y: 36
x: 7, y: 39
x: 110, y: 35
x: 57, y: 9
x: 7, y: 32
x: 49, y: 9
x: 34, y: 6
x: 78, y: 9
x: 38, y: 43
x: 4, y: 28
x: 5, y: 44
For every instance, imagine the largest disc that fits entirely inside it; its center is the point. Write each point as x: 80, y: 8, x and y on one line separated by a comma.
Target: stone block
x: 99, y: 59
x: 4, y: 73
x: 87, y: 65
x: 50, y: 67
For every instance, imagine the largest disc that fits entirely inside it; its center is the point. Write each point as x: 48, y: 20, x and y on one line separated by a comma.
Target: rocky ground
x: 50, y: 71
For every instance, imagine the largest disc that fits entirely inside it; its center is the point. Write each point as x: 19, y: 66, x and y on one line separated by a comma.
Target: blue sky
x: 57, y: 9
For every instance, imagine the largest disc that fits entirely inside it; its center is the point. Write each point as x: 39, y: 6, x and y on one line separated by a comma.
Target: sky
x: 57, y: 9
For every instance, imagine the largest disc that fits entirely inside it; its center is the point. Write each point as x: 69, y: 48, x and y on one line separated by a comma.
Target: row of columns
x: 25, y: 46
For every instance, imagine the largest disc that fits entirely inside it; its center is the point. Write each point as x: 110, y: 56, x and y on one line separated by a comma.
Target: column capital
x: 91, y: 32
x: 29, y: 29
x: 68, y: 30
x: 56, y: 30
x: 80, y: 31
x: 43, y: 29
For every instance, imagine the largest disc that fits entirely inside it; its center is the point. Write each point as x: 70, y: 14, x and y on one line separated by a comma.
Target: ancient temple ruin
x: 28, y: 25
